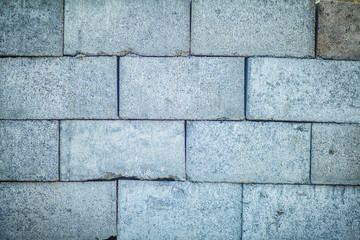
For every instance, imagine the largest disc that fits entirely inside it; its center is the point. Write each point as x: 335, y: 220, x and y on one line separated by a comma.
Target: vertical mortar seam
x: 190, y: 19
x: 316, y: 28
x: 63, y: 28
x: 117, y: 207
x: 185, y: 133
x: 59, y: 150
x: 311, y: 136
x: 246, y: 75
x: 242, y: 211
x: 118, y: 86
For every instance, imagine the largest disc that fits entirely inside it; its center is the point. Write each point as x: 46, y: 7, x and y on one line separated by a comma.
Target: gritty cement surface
x: 179, y: 210
x: 301, y: 212
x: 335, y: 154
x: 29, y: 150
x: 339, y: 30
x: 303, y: 90
x: 248, y: 152
x: 58, y: 88
x: 58, y: 210
x: 112, y: 149
x: 253, y: 27
x: 145, y: 27
x: 31, y: 28
x: 181, y: 88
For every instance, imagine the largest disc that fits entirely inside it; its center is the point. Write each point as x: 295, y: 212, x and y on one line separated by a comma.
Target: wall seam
x: 310, y: 165
x: 242, y: 211
x: 246, y: 76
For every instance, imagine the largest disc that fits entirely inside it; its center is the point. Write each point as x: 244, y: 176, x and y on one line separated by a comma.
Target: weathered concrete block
x: 303, y: 90
x: 179, y: 210
x: 253, y: 27
x: 146, y: 27
x: 31, y: 28
x: 29, y: 150
x: 54, y: 88
x: 339, y: 30
x: 248, y: 152
x: 182, y: 88
x: 58, y: 210
x: 111, y: 149
x: 301, y: 212
x: 335, y: 154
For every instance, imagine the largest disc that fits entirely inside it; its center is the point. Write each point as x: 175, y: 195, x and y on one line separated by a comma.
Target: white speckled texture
x: 179, y: 210
x: 110, y: 149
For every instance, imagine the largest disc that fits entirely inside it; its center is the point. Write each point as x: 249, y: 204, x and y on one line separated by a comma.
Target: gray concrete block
x: 58, y: 210
x: 301, y: 212
x: 112, y: 149
x: 303, y: 90
x: 56, y: 88
x: 29, y: 150
x: 335, y: 154
x: 339, y: 30
x: 182, y: 88
x: 263, y: 152
x: 248, y: 27
x: 146, y: 27
x: 179, y: 210
x: 31, y: 28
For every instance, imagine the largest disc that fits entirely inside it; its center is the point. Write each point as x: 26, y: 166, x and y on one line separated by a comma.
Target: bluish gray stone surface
x: 31, y: 28
x: 111, y: 149
x: 55, y: 88
x: 58, y: 210
x: 301, y: 212
x: 253, y: 27
x: 179, y: 210
x: 146, y: 27
x: 304, y: 90
x: 29, y: 150
x: 182, y: 88
x: 335, y: 154
x: 262, y: 152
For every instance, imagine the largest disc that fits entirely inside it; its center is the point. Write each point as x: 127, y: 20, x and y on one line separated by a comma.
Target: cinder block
x: 339, y: 30
x: 57, y: 88
x: 335, y: 154
x: 112, y: 149
x: 181, y: 88
x: 76, y: 210
x: 31, y: 28
x: 179, y: 210
x: 301, y: 212
x: 253, y: 27
x: 304, y: 90
x: 29, y: 150
x: 263, y: 152
x: 146, y: 27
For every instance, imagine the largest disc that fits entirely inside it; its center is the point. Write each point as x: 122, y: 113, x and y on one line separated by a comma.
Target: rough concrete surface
x: 179, y: 210
x: 248, y: 152
x: 335, y: 154
x: 55, y: 88
x: 303, y: 90
x: 182, y: 88
x: 58, y: 210
x: 301, y: 212
x: 339, y: 30
x: 146, y: 27
x: 111, y: 149
x: 29, y: 150
x: 31, y: 28
x: 253, y: 27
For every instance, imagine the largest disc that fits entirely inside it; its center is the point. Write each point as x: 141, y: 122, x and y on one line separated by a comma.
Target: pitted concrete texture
x: 58, y: 210
x: 339, y: 30
x: 248, y: 152
x: 303, y: 90
x: 29, y: 150
x: 145, y: 27
x: 301, y: 212
x: 31, y: 28
x: 112, y: 149
x: 253, y: 27
x: 181, y: 88
x: 335, y: 154
x: 179, y: 210
x: 58, y: 88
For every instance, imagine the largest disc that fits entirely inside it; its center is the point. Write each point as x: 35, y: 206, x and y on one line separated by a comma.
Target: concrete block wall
x: 179, y: 119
